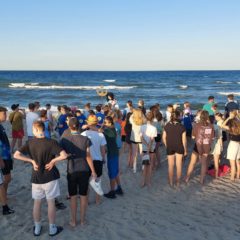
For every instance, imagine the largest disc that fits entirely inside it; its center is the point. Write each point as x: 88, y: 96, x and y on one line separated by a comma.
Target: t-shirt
x: 208, y: 107
x: 5, y: 151
x: 97, y: 140
x: 76, y: 145
x: 16, y: 119
x: 111, y: 135
x: 136, y: 130
x: 230, y: 106
x: 174, y: 132
x: 100, y: 116
x: 117, y: 126
x: 203, y: 134
x: 30, y: 118
x: 42, y: 151
x: 148, y: 132
x: 62, y: 121
x: 82, y: 120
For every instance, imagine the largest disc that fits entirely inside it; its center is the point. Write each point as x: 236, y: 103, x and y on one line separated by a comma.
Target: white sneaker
x: 96, y: 186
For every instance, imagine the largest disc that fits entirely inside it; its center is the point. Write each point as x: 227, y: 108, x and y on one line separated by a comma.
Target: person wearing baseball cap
x: 16, y: 119
x: 5, y: 159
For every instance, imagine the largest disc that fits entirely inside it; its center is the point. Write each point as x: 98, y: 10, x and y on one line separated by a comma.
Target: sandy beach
x: 190, y: 212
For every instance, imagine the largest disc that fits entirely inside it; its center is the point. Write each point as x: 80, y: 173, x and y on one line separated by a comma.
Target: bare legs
x: 171, y: 164
x: 83, y: 209
x: 193, y: 161
x: 216, y: 158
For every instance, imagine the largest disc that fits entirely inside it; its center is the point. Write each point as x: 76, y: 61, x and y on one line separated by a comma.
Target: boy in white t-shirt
x: 30, y: 118
x: 148, y: 134
x: 97, y: 151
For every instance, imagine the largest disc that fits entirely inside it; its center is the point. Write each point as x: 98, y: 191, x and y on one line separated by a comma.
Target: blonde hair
x: 234, y: 126
x: 138, y: 117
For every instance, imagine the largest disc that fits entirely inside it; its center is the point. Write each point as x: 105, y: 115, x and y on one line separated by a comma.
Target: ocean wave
x: 227, y: 93
x: 109, y: 80
x: 183, y: 86
x: 223, y: 82
x: 30, y: 86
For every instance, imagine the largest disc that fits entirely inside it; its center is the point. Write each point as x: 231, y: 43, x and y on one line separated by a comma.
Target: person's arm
x: 184, y: 140
x: 103, y: 152
x: 164, y: 138
x: 90, y: 163
x: 63, y: 155
x: 19, y: 156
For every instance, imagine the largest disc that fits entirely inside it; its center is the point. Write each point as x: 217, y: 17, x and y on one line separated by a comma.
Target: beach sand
x: 190, y: 212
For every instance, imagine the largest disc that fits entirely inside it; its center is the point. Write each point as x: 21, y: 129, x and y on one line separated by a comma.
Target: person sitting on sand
x: 43, y: 155
x: 175, y: 140
x: 79, y: 165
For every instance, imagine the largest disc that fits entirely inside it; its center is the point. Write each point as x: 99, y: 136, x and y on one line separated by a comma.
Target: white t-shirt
x: 97, y: 140
x: 136, y: 130
x: 148, y: 131
x: 30, y: 118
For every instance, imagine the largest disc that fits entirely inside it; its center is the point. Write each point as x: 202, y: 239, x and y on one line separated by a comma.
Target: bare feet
x: 72, y: 223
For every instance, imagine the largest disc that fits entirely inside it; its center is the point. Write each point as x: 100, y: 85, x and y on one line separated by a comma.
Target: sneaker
x: 96, y: 186
x: 58, y: 230
x: 119, y: 191
x: 6, y: 210
x: 111, y: 194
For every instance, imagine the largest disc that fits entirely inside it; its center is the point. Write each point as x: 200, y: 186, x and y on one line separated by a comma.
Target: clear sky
x: 119, y: 34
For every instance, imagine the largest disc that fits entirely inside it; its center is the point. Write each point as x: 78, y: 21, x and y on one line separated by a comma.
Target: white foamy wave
x: 27, y: 86
x: 109, y: 80
x: 15, y: 85
x: 238, y: 82
x: 223, y: 82
x: 34, y: 84
x: 183, y: 86
x: 227, y: 93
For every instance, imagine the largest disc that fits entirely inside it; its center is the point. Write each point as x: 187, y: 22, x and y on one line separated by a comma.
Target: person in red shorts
x: 16, y: 119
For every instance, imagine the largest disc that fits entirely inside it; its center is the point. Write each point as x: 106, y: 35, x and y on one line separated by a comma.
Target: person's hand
x: 94, y: 175
x: 35, y: 166
x: 49, y: 166
x: 85, y: 126
x: 185, y: 153
x: 2, y: 164
x: 232, y: 115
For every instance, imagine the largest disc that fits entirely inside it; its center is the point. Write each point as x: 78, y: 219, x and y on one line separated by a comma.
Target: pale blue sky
x: 119, y: 35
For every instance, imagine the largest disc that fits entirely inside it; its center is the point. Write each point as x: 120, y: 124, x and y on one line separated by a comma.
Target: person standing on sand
x: 232, y: 125
x: 175, y: 140
x: 16, y: 119
x: 62, y: 125
x: 5, y: 163
x: 78, y: 169
x: 30, y: 118
x: 97, y: 149
x: 45, y: 175
x: 203, y: 133
x: 208, y: 106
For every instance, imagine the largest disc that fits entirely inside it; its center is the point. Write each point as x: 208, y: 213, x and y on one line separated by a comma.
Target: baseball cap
x: 14, y: 106
x: 92, y: 120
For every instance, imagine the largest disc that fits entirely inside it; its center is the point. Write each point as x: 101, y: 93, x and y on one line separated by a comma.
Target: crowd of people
x: 89, y: 138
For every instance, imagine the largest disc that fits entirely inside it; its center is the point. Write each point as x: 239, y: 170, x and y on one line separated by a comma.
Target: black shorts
x: 135, y: 142
x: 158, y: 138
x: 189, y: 132
x: 8, y: 167
x: 123, y: 138
x: 78, y: 183
x: 173, y: 151
x: 195, y: 148
x: 98, y: 166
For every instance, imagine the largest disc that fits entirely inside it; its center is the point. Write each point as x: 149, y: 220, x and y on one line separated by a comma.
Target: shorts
x: 158, y: 138
x: 1, y: 177
x: 203, y: 148
x: 233, y: 150
x: 8, y: 167
x: 78, y: 183
x: 145, y: 159
x: 18, y: 134
x: 49, y: 190
x: 113, y: 166
x: 127, y: 139
x: 189, y: 132
x: 123, y: 138
x: 98, y: 166
x: 172, y: 151
x: 136, y: 142
x: 216, y: 148
x: 195, y: 148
